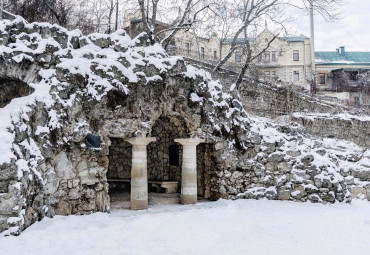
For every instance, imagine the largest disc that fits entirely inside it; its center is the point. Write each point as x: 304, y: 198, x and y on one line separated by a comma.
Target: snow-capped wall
x: 116, y: 87
x: 107, y: 85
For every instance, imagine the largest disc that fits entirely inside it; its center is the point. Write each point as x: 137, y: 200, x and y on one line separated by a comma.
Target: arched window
x: 174, y: 155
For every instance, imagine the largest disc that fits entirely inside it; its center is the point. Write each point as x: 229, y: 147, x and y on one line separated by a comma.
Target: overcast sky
x: 351, y: 31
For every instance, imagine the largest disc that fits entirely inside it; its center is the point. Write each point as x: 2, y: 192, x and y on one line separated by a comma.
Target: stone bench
x: 169, y: 186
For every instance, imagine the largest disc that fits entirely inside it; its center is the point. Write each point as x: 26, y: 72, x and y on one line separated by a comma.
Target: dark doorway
x: 174, y: 155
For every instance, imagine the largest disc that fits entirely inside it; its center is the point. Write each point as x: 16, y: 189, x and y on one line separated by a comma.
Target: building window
x: 267, y: 76
x: 273, y: 56
x: 215, y: 54
x: 187, y: 48
x: 267, y: 56
x: 273, y: 75
x: 201, y: 52
x: 295, y: 55
x: 259, y: 58
x: 238, y: 57
x: 296, y: 75
x: 322, y: 78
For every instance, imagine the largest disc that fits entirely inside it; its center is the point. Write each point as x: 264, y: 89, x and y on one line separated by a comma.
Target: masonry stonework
x: 127, y: 91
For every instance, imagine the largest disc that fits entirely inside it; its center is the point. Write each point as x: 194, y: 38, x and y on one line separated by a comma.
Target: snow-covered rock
x: 116, y: 87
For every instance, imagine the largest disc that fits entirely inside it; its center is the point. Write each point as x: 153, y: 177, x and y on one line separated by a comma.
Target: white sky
x: 351, y: 31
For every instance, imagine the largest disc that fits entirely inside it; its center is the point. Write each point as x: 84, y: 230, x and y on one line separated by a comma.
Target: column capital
x: 140, y: 140
x: 190, y: 141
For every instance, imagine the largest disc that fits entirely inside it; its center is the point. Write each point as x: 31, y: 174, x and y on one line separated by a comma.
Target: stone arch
x: 166, y: 129
x: 24, y: 71
x: 12, y: 88
x: 15, y: 80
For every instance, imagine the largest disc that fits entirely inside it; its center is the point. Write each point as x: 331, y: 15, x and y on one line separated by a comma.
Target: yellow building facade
x: 287, y: 60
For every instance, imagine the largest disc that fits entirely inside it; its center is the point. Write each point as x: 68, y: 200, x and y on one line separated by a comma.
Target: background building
x: 287, y: 60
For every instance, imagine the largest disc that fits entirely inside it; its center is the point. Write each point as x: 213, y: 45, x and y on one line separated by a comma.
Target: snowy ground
x: 223, y: 227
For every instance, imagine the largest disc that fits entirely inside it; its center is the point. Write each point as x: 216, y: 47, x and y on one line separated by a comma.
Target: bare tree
x: 53, y: 11
x: 243, y: 19
x: 98, y: 11
x: 82, y: 18
x: 110, y: 16
x: 328, y: 9
x: 32, y: 10
x: 247, y: 17
x: 151, y: 10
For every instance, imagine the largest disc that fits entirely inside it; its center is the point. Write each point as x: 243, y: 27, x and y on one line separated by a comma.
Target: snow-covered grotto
x: 82, y: 114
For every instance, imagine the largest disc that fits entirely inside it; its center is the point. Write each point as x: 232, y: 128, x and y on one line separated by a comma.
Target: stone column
x: 189, y: 170
x: 139, y: 173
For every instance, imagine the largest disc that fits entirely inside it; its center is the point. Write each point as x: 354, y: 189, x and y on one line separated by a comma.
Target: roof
x: 351, y: 69
x: 156, y: 22
x: 238, y: 40
x: 349, y: 58
x: 300, y: 38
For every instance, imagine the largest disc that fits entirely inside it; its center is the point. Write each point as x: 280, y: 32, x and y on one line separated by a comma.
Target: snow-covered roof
x: 347, y: 58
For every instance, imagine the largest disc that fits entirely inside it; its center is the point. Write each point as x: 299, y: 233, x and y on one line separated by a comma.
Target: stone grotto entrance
x: 169, y: 165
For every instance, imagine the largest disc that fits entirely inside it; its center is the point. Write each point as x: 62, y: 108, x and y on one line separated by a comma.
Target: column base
x: 138, y: 205
x: 189, y: 199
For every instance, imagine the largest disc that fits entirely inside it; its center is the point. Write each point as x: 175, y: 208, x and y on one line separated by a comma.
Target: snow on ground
x: 223, y: 227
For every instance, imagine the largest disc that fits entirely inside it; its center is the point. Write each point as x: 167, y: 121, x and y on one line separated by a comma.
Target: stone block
x: 307, y: 159
x: 281, y: 180
x: 91, y: 175
x: 75, y: 183
x: 69, y: 184
x: 368, y: 193
x: 275, y: 158
x: 314, y: 198
x: 356, y: 191
x: 284, y: 167
x: 328, y: 197
x: 222, y: 190
x: 89, y: 193
x: 364, y: 174
x: 283, y: 194
x: 63, y: 208
x: 90, y: 206
x: 74, y: 193
x: 298, y: 192
x: 82, y: 165
x: 293, y: 153
x: 63, y: 167
x: 350, y: 180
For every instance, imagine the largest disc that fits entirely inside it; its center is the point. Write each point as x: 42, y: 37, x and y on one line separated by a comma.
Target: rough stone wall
x: 318, y: 118
x: 123, y: 89
x: 273, y: 101
x: 353, y: 129
x: 291, y: 166
x: 205, y: 168
x: 80, y: 185
x: 120, y: 159
x: 51, y: 170
x: 165, y: 129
